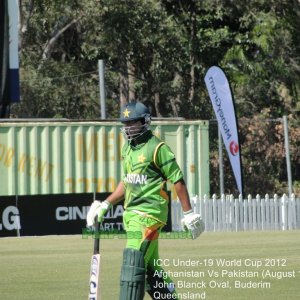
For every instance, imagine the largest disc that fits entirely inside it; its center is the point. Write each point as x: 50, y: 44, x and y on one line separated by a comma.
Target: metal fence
x: 237, y: 214
x: 270, y: 157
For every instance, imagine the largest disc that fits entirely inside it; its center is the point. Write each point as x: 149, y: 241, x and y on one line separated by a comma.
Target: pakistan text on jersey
x: 136, y: 178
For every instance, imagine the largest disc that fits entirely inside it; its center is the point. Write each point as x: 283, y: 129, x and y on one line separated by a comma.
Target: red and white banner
x: 222, y: 101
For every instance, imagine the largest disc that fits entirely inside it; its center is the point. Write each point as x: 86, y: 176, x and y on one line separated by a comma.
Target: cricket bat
x: 95, y: 289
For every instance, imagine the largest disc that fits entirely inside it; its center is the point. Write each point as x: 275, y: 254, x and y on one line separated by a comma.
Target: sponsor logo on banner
x: 234, y: 148
x: 223, y: 105
x: 53, y: 214
x: 10, y: 219
x: 113, y: 218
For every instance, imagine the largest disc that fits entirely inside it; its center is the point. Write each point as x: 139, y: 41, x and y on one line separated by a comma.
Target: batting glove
x: 97, y: 209
x: 192, y: 222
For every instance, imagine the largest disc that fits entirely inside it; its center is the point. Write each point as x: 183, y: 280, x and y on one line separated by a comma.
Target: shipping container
x: 63, y: 157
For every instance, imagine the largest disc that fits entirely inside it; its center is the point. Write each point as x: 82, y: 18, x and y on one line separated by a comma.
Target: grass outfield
x: 57, y: 267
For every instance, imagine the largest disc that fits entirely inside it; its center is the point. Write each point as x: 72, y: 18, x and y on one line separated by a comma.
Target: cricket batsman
x: 148, y: 163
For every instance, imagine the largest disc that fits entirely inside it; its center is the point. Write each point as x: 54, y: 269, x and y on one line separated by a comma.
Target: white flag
x: 222, y: 101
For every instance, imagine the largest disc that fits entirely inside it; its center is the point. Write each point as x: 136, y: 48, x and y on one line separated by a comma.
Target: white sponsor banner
x: 221, y: 98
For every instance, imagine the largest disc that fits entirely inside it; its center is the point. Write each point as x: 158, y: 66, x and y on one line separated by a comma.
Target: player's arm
x: 166, y: 162
x: 100, y: 208
x: 183, y: 195
x: 117, y: 195
x: 168, y: 166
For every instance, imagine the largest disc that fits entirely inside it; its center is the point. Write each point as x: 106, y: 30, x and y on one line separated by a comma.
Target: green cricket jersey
x: 147, y: 167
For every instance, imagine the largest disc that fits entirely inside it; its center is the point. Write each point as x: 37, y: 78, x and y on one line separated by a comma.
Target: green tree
x: 157, y: 51
x: 51, y: 59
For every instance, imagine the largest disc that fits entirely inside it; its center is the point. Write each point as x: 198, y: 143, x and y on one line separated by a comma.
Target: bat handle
x: 97, y: 236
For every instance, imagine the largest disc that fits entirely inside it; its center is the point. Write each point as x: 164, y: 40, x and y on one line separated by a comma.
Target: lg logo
x: 10, y: 218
